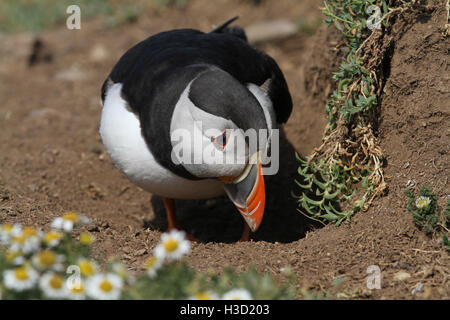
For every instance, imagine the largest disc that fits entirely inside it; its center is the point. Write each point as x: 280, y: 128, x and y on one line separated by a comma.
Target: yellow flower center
x: 86, y: 238
x: 77, y: 289
x: 19, y: 239
x: 50, y: 236
x: 86, y: 268
x: 47, y: 258
x: 171, y: 245
x: 28, y: 232
x: 422, y: 203
x: 203, y: 296
x: 106, y: 286
x: 56, y: 282
x: 71, y: 216
x: 7, y: 228
x: 21, y: 274
x: 150, y: 262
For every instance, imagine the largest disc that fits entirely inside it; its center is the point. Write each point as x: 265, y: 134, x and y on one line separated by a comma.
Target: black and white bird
x: 172, y: 82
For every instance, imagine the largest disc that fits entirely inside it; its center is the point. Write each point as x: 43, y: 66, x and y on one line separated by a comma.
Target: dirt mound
x: 52, y: 159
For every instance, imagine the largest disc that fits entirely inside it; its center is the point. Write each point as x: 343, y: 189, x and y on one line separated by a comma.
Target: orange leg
x: 170, y: 210
x: 171, y: 219
x: 246, y: 233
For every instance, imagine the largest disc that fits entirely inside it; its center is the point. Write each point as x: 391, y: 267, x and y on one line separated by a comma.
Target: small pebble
x: 401, y: 276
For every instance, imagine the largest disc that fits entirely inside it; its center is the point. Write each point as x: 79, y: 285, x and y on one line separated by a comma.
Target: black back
x: 155, y: 72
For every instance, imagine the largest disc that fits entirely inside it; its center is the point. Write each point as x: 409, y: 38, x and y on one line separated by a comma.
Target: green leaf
x: 311, y: 201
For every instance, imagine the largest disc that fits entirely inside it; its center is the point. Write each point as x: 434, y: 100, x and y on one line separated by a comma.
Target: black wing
x: 143, y: 68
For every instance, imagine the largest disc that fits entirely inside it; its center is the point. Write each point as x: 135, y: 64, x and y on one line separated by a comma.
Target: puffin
x: 180, y: 102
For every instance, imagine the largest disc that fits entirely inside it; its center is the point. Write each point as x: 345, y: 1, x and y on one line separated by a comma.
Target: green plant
x: 328, y: 187
x: 446, y: 222
x: 345, y: 173
x: 58, y: 265
x: 426, y: 214
x: 446, y: 241
x: 424, y: 209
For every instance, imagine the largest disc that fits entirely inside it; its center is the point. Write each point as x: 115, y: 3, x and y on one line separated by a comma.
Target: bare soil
x: 52, y: 159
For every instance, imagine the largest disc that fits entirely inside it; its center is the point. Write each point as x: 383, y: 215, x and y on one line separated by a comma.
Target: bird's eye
x: 220, y: 140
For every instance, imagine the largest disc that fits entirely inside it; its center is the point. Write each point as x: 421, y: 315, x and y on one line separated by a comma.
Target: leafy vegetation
x: 350, y: 17
x: 446, y: 234
x: 344, y: 174
x: 423, y: 209
x: 56, y: 265
x: 328, y: 187
x: 426, y: 214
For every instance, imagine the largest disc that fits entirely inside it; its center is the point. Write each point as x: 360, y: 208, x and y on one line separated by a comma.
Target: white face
x: 208, y: 146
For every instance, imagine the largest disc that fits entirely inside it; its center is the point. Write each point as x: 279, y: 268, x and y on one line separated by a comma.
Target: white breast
x: 121, y: 135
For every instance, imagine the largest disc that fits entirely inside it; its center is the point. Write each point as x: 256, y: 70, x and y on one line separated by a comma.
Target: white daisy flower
x: 61, y: 224
x: 25, y: 240
x: 87, y: 267
x: 52, y: 238
x: 68, y: 221
x: 104, y: 286
x: 31, y: 245
x: 422, y: 202
x: 53, y: 286
x: 237, y: 294
x: 7, y: 230
x: 48, y: 260
x: 19, y: 261
x: 173, y: 246
x: 153, y: 264
x: 205, y: 295
x: 76, y: 291
x: 20, y: 278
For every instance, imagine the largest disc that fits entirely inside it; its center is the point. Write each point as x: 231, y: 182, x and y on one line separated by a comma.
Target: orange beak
x: 249, y: 197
